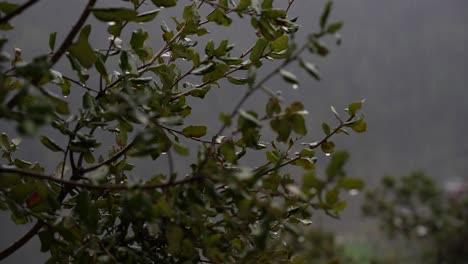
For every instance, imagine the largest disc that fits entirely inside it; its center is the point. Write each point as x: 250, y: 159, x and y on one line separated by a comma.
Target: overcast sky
x: 407, y: 58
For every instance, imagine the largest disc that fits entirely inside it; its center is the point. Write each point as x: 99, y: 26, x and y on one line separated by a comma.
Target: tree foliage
x: 94, y: 207
x: 416, y: 209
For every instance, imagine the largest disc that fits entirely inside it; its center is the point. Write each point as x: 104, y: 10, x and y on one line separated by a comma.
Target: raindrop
x: 166, y: 54
x: 219, y: 139
x: 327, y: 154
x: 353, y: 192
x: 111, y: 23
x: 301, y: 239
x: 421, y: 230
x: 295, y: 86
x: 163, y: 153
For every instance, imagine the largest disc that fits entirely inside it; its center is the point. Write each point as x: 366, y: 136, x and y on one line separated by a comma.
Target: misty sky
x: 407, y: 58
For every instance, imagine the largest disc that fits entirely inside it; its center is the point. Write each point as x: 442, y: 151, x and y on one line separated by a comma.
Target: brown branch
x: 21, y: 242
x: 17, y: 11
x: 79, y: 84
x: 113, y: 158
x: 102, y: 187
x: 71, y: 35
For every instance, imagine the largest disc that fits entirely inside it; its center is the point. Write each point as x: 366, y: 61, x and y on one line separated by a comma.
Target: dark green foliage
x: 414, y: 208
x: 94, y: 207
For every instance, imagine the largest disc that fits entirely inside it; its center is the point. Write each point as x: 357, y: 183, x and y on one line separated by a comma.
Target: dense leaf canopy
x: 94, y: 207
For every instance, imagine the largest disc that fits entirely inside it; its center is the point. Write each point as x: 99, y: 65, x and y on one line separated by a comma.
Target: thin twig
x: 182, y: 134
x: 79, y: 84
x: 22, y: 241
x: 113, y: 158
x: 144, y: 67
x: 17, y: 11
x: 102, y: 187
x: 340, y: 126
x: 71, y: 35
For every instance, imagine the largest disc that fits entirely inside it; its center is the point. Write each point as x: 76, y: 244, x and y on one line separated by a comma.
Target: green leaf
x: 179, y: 149
x: 273, y: 106
x: 87, y: 211
x: 266, y: 4
x: 138, y: 38
x: 332, y: 196
x: 310, y: 68
x: 205, y: 69
x: 174, y: 236
x: 282, y: 127
x: 309, y: 153
x: 335, y: 167
x: 115, y: 14
x: 354, y: 107
x: 81, y: 50
x: 220, y: 69
x: 50, y: 144
x: 325, y: 14
x: 52, y: 38
x: 165, y: 3
x: 22, y: 164
x: 350, y: 183
x: 339, y: 206
x: 238, y: 81
x: 280, y: 44
x: 8, y: 180
x: 272, y: 156
x: 243, y: 5
x: 101, y: 68
x: 274, y: 13
x: 289, y: 76
x: 7, y: 7
x: 298, y: 124
x: 333, y: 28
x: 305, y: 163
x: 310, y: 180
x: 328, y: 146
x: 359, y: 126
x: 250, y: 117
x: 98, y: 175
x: 326, y: 129
x: 194, y: 131
x: 146, y: 16
x: 219, y: 17
x: 227, y: 149
x: 127, y: 63
x: 257, y: 51
x: 65, y: 87
x: 5, y: 142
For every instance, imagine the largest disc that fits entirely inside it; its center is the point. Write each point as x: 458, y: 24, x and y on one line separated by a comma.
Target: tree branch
x: 71, y: 35
x: 142, y: 68
x: 21, y: 242
x: 111, y: 159
x: 17, y: 11
x: 102, y: 187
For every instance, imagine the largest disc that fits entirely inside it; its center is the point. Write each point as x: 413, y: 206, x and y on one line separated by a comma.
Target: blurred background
x: 408, y: 59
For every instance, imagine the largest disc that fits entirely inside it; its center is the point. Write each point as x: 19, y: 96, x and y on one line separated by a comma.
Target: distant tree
x: 415, y: 209
x: 89, y: 209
